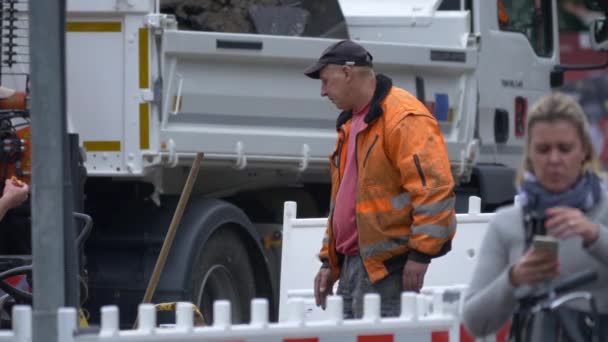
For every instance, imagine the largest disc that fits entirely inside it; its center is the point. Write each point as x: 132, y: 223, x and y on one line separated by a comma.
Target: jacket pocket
x: 419, y: 168
x: 369, y: 150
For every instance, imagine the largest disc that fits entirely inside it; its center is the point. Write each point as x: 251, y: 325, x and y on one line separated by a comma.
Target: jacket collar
x: 383, y: 86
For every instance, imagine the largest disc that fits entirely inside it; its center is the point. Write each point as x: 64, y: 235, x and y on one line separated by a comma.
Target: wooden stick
x: 175, y: 221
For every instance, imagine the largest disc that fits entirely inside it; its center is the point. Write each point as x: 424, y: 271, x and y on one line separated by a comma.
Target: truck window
x: 531, y: 18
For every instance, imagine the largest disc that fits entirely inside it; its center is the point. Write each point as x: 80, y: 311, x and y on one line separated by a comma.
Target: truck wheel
x: 222, y: 271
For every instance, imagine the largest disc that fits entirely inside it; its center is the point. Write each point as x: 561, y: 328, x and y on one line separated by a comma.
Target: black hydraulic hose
x: 86, y: 230
x: 27, y: 269
x: 10, y: 289
x: 23, y: 295
x: 16, y: 293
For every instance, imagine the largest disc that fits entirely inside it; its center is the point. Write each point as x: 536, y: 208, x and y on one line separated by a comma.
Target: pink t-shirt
x: 344, y: 217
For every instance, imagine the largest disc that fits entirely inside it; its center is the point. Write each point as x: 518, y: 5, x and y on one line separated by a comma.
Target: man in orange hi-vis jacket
x: 392, y: 197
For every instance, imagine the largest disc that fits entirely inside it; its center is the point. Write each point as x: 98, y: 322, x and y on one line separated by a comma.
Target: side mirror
x: 599, y: 34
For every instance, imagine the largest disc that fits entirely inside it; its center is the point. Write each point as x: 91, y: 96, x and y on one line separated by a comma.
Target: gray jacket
x: 490, y: 301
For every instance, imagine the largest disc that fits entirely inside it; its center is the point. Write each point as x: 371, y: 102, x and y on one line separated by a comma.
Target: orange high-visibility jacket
x: 503, y: 17
x: 405, y: 190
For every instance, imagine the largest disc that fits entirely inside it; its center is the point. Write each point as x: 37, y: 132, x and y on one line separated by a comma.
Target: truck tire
x: 222, y: 270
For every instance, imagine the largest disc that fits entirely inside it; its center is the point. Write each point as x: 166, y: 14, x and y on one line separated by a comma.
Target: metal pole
x: 51, y: 193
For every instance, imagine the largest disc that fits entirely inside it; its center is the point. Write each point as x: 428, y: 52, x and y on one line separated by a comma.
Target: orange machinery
x: 15, y: 138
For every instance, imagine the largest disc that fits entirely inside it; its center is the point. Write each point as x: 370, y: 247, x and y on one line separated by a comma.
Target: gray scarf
x: 583, y: 195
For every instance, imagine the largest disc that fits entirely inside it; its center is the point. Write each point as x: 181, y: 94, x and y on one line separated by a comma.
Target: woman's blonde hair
x: 554, y: 107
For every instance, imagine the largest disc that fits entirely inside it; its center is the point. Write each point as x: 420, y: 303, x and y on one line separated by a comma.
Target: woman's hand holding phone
x: 538, y: 264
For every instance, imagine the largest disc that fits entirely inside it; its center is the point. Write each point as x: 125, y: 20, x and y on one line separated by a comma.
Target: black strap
x: 534, y: 224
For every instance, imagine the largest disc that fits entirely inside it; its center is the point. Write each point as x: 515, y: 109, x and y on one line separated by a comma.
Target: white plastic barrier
x: 458, y: 265
x: 22, y: 326
x: 432, y: 315
x: 302, y: 240
x: 418, y: 316
x: 299, y: 260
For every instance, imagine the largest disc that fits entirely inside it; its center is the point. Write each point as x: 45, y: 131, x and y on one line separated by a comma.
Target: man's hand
x: 413, y: 275
x: 15, y: 192
x: 323, y: 286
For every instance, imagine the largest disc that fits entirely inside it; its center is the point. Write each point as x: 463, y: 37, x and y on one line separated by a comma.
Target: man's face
x: 335, y: 85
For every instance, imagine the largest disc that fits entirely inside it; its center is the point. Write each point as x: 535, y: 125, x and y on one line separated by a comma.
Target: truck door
x: 518, y: 50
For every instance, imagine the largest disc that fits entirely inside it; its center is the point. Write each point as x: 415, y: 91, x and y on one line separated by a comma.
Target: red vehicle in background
x: 589, y: 86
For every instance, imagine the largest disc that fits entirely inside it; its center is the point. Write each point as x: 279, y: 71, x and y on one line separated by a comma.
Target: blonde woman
x: 560, y: 188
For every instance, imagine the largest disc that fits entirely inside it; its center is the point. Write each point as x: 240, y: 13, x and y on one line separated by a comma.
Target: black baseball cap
x: 344, y: 52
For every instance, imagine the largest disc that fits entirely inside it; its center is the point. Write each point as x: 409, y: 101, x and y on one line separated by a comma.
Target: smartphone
x: 546, y: 244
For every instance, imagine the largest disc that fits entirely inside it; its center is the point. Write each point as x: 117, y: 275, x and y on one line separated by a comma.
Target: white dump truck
x: 145, y: 97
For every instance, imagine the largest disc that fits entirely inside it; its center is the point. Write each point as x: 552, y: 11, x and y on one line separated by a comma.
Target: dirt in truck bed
x: 310, y: 18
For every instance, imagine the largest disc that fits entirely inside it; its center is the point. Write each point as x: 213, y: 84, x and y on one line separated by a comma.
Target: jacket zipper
x: 370, y: 149
x: 419, y: 168
x: 336, y: 156
x: 339, y: 154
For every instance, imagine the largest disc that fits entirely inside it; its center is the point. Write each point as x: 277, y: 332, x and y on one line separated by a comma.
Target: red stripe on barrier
x: 465, y: 336
x: 503, y: 333
x: 440, y: 336
x: 375, y: 338
x: 444, y: 336
x: 312, y: 339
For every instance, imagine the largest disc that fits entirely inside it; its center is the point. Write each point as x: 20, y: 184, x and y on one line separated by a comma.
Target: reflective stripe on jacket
x: 405, y: 190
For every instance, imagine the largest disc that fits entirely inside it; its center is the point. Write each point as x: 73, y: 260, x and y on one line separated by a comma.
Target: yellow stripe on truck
x: 144, y: 126
x: 102, y: 146
x: 144, y: 76
x: 94, y: 26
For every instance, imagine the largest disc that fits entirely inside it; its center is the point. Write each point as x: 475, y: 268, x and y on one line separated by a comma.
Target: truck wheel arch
x: 204, y: 217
